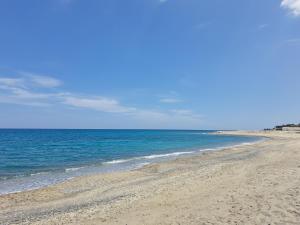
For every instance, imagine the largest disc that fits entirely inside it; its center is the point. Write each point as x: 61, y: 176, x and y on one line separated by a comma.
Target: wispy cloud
x: 263, y: 26
x: 292, y: 5
x: 162, y: 1
x: 37, y: 90
x: 29, y: 79
x: 97, y: 103
x: 202, y: 25
x: 187, y: 113
x: 293, y: 40
x: 24, y: 94
x: 45, y: 81
x: 11, y: 82
x: 41, y: 80
x: 17, y: 91
x: 170, y: 97
x: 171, y: 118
x: 170, y: 100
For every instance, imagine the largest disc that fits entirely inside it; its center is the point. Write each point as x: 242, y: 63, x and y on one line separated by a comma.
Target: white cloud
x: 19, y: 90
x: 22, y: 91
x: 263, y: 26
x: 293, y: 40
x: 168, y: 119
x: 41, y: 80
x: 97, y: 103
x: 292, y: 5
x: 29, y: 79
x: 186, y: 113
x: 11, y: 82
x: 16, y: 95
x: 45, y: 81
x: 34, y: 90
x: 203, y: 25
x: 25, y: 94
x: 170, y: 100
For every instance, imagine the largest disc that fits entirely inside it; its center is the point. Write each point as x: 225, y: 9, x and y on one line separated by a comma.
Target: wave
x: 38, y: 173
x: 72, y: 169
x: 231, y: 146
x: 166, y: 155
x: 118, y: 161
x: 155, y: 156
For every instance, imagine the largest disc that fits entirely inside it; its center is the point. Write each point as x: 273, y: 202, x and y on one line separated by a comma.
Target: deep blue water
x: 41, y: 157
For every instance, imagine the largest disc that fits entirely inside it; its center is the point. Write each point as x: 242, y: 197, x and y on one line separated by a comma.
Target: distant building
x: 288, y: 127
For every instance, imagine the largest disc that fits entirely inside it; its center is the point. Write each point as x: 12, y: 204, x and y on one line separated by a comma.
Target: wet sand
x: 250, y: 184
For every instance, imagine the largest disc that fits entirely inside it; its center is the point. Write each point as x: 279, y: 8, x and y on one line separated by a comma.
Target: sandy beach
x: 251, y: 184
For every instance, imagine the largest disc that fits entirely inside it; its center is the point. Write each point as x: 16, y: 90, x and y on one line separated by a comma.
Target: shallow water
x: 31, y: 159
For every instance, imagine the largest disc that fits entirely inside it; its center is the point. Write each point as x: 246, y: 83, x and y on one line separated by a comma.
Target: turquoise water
x: 31, y: 158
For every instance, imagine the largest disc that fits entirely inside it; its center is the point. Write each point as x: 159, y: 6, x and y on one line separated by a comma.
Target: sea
x: 35, y: 158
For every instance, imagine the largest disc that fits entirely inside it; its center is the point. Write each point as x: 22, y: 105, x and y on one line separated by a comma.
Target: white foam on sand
x: 167, y: 155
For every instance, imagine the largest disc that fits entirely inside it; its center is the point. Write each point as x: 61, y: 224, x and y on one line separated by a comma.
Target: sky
x: 152, y: 64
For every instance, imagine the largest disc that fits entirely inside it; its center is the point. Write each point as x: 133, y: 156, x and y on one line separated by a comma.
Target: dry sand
x: 251, y: 184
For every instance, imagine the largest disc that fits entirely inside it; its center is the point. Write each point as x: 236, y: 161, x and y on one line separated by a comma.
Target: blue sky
x: 191, y: 64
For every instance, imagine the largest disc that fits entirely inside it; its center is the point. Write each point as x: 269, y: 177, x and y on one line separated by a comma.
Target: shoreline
x: 169, y: 192
x: 46, y: 179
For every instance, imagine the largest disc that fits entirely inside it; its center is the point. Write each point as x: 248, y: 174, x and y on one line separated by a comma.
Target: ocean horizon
x: 34, y: 158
